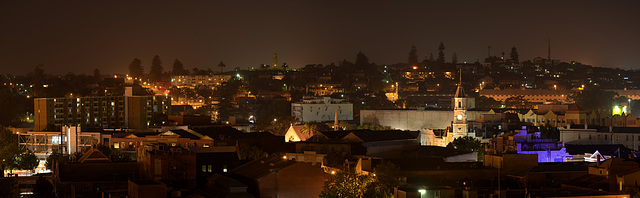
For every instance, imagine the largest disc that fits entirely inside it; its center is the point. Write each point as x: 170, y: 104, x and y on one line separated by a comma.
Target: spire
x: 335, y: 122
x: 460, y: 91
x: 549, y: 50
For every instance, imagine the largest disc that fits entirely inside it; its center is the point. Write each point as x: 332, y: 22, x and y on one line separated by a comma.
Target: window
x: 204, y: 168
x: 605, y: 137
x: 116, y: 145
x: 209, y: 168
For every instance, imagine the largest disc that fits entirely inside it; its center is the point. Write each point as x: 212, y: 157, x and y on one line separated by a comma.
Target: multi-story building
x: 133, y: 112
x: 544, y: 95
x: 532, y: 95
x: 195, y: 80
x: 322, y: 109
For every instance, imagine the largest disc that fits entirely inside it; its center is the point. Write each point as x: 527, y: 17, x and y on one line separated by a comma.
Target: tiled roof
x: 259, y: 168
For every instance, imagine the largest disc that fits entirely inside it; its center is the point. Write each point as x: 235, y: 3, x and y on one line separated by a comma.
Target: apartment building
x: 195, y: 80
x: 98, y: 112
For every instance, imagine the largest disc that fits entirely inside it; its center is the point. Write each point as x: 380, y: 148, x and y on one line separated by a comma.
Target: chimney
x: 585, y: 126
x: 598, y: 158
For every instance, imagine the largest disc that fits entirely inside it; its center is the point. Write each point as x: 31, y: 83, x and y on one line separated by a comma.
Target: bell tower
x: 460, y: 105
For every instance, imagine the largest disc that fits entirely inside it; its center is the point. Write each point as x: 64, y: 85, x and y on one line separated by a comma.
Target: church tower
x: 460, y: 105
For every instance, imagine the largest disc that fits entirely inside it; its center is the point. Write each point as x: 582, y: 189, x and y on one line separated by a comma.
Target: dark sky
x: 79, y: 36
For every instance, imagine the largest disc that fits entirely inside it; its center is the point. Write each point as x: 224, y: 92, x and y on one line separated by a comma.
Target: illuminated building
x: 98, y: 112
x: 321, y: 109
x: 197, y: 80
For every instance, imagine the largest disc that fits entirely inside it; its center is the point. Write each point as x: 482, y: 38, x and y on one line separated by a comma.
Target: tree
x: 310, y: 127
x: 178, y: 68
x: 594, y: 99
x: 221, y: 65
x: 468, y: 144
x: 282, y: 125
x: 454, y: 58
x: 156, y: 69
x: 135, y: 68
x: 387, y: 175
x: 97, y: 76
x: 413, y: 56
x: 514, y: 55
x: 440, y: 53
x: 56, y: 156
x: 362, y: 61
x: 487, y: 103
x: 285, y: 66
x: 351, y: 184
x: 518, y: 102
x: 346, y: 184
x: 248, y: 152
x: 13, y: 156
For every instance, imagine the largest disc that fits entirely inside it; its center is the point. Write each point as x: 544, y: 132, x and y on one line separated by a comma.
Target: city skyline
x: 79, y: 37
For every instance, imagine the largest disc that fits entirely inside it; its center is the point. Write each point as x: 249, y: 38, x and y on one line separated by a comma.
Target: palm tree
x: 309, y: 127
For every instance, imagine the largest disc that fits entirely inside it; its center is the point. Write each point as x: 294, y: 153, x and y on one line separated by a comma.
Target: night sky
x: 79, y: 36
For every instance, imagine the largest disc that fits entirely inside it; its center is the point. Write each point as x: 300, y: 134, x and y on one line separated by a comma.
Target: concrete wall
x: 413, y: 119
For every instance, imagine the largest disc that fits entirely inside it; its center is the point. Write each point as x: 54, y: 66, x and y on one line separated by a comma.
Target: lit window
x: 116, y: 145
x: 204, y: 168
x: 209, y: 168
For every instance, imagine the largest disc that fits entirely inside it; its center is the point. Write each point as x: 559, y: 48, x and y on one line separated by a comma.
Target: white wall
x: 322, y: 112
x: 414, y: 120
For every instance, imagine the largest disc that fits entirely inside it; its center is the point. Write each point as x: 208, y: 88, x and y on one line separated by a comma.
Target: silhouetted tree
x: 454, y: 58
x: 362, y: 62
x: 156, y: 69
x: 487, y: 103
x: 135, y: 68
x: 440, y: 53
x: 178, y: 68
x: 248, y: 152
x: 97, y: 75
x: 413, y: 56
x: 594, y: 99
x: 387, y: 175
x: 285, y: 66
x: 468, y: 143
x: 514, y: 55
x: 518, y: 102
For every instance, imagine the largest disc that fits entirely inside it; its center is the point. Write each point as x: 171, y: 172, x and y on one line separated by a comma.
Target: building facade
x: 99, y: 112
x: 322, y: 109
x: 198, y: 80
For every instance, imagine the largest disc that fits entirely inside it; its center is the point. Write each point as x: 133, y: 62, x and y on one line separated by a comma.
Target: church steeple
x: 460, y: 90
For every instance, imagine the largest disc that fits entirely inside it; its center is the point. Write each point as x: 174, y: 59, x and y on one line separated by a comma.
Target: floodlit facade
x: 197, y: 80
x: 99, y: 112
x: 322, y: 109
